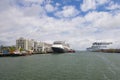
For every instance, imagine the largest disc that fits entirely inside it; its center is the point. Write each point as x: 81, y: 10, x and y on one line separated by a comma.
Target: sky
x: 78, y: 22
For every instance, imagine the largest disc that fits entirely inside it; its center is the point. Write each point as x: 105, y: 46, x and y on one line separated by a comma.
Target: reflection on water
x: 76, y: 66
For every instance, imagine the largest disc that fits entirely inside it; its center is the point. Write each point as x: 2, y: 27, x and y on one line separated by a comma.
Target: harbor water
x: 68, y: 66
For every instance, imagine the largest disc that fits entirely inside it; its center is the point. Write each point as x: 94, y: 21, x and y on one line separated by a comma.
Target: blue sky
x: 79, y: 22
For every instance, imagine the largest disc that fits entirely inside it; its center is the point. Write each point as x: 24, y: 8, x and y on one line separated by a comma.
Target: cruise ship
x: 61, y: 47
x: 96, y: 46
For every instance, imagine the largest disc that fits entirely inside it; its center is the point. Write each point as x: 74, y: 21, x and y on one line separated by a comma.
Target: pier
x: 12, y: 55
x: 22, y: 54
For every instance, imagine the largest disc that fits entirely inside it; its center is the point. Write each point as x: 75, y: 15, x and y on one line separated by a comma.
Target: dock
x: 22, y: 54
x: 12, y: 55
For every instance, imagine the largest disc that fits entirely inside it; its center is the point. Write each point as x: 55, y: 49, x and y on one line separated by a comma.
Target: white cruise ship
x: 99, y: 45
x: 61, y: 47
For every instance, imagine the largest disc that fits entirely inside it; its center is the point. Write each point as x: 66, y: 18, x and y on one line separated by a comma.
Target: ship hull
x: 58, y: 50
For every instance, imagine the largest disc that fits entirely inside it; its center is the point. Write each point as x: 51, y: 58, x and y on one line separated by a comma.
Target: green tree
x: 21, y: 49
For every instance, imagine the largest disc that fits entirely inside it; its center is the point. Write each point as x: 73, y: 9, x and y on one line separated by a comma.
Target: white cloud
x: 106, y: 25
x: 115, y: 45
x: 39, y: 1
x: 49, y: 8
x: 103, y: 20
x: 92, y: 4
x: 4, y: 4
x: 113, y: 6
x: 34, y: 10
x: 80, y: 31
x: 68, y: 11
x: 57, y: 4
x: 88, y: 4
x: 77, y: 31
x: 100, y: 2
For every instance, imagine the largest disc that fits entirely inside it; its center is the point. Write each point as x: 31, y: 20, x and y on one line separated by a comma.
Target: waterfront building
x: 24, y: 44
x: 42, y: 47
x: 35, y: 46
x: 38, y: 47
x: 47, y: 47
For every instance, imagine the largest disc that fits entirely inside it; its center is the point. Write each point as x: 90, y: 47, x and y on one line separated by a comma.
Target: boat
x: 61, y: 47
x: 96, y: 46
x: 71, y: 51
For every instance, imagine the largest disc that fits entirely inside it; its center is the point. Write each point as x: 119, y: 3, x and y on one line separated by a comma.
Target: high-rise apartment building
x: 25, y: 44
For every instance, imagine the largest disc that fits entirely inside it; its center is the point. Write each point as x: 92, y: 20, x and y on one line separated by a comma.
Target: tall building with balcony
x: 24, y: 44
